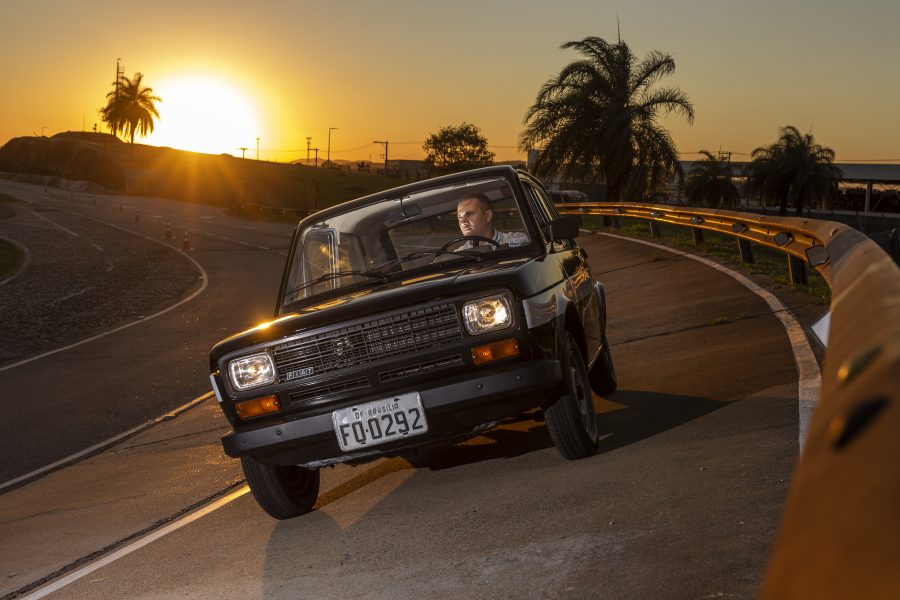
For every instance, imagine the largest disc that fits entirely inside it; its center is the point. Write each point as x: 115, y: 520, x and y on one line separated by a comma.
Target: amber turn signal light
x: 258, y: 406
x: 495, y: 351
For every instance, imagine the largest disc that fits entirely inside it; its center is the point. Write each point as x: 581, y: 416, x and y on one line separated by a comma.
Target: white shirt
x: 508, y: 238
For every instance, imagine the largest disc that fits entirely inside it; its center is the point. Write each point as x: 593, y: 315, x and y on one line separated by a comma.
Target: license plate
x: 379, y: 422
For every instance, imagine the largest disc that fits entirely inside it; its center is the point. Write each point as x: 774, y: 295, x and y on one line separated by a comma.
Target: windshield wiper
x: 334, y: 275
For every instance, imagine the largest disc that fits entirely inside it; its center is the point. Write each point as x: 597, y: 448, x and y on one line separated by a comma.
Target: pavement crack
x: 168, y: 439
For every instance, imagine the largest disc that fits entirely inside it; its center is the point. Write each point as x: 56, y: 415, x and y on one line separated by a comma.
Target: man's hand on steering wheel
x: 471, y: 238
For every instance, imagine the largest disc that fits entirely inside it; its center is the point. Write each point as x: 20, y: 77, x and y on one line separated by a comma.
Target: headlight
x: 251, y: 371
x: 487, y: 314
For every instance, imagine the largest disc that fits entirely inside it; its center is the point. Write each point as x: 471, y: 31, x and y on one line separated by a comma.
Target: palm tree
x: 598, y: 119
x: 130, y: 107
x: 794, y: 171
x: 710, y: 183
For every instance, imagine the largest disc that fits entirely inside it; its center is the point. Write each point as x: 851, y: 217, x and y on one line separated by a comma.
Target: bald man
x: 476, y: 217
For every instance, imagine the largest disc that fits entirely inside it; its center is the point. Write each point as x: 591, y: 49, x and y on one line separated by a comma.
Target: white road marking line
x: 203, y: 275
x: 262, y: 248
x: 136, y: 545
x: 72, y: 295
x: 106, y: 443
x: 69, y: 231
x: 96, y: 246
x: 810, y: 378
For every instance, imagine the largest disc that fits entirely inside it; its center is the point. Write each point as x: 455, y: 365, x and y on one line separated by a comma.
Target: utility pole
x: 120, y: 72
x: 317, y: 156
x: 257, y: 148
x: 330, y: 129
x: 307, y: 149
x: 385, y: 144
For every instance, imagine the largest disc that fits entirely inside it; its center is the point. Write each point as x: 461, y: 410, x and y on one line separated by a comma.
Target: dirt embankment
x: 70, y: 159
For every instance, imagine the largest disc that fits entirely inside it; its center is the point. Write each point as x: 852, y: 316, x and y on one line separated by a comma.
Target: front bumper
x: 453, y: 408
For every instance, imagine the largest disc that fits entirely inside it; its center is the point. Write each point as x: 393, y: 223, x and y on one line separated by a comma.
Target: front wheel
x: 572, y: 420
x: 282, y: 491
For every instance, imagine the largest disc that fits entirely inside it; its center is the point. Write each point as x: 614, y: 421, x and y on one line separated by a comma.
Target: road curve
x: 681, y: 501
x: 65, y: 402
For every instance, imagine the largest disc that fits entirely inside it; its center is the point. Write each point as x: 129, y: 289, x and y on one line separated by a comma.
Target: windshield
x: 402, y: 235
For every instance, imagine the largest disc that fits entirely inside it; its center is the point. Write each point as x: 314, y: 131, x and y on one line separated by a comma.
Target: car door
x: 573, y: 260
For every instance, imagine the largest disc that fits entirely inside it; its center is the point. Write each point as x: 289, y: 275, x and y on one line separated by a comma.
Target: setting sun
x: 204, y: 115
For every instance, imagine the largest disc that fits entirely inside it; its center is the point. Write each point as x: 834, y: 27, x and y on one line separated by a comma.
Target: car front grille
x: 341, y: 384
x: 362, y: 344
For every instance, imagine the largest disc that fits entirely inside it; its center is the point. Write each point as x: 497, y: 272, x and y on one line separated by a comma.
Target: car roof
x: 495, y: 171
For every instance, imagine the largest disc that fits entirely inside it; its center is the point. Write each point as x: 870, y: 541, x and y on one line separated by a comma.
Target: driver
x: 476, y: 218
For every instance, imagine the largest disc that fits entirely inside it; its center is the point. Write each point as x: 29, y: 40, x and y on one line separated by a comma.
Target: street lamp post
x: 257, y: 148
x: 328, y: 158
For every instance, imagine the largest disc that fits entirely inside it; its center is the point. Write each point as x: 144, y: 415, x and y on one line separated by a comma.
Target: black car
x: 395, y: 329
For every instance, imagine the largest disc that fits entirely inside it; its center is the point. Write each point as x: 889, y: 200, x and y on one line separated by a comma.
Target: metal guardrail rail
x: 840, y: 532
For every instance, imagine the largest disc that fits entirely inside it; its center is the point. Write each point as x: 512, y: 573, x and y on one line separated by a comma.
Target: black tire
x: 603, y: 373
x: 282, y: 491
x: 572, y: 420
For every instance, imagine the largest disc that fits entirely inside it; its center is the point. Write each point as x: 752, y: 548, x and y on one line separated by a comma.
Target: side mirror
x: 563, y: 228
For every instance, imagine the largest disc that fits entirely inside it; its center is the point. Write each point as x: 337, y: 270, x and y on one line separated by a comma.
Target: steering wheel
x: 471, y: 238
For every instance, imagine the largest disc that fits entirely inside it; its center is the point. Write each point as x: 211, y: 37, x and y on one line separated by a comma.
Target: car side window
x: 544, y: 209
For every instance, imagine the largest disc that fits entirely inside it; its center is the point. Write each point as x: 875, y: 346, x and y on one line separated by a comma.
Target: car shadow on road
x: 346, y: 530
x: 638, y: 415
x: 646, y: 414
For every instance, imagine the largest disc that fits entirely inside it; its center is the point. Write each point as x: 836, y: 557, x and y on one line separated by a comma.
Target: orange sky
x: 399, y: 70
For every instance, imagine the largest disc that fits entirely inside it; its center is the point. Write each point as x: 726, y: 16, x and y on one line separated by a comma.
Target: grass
x: 723, y: 247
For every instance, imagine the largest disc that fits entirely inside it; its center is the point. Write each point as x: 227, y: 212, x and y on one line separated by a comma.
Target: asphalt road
x: 65, y: 402
x: 682, y: 500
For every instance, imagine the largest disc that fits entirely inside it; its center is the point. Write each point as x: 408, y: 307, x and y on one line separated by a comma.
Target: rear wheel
x: 282, y: 491
x: 603, y: 373
x: 572, y: 420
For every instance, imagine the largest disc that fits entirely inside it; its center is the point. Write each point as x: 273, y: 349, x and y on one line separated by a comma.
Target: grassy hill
x: 220, y: 180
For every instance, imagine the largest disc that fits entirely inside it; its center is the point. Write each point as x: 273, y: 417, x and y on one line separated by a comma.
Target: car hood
x: 520, y: 275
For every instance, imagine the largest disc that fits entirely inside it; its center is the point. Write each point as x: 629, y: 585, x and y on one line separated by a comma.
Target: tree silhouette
x: 710, y: 183
x: 598, y: 119
x: 794, y: 171
x: 130, y: 107
x: 456, y: 148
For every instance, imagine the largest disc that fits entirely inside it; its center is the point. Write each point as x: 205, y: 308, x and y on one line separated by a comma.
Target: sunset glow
x: 289, y: 73
x: 204, y: 115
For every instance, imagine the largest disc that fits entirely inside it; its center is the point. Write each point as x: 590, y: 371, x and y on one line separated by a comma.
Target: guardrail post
x: 745, y: 250
x: 797, y: 270
x: 654, y: 230
x: 697, y: 235
x: 607, y: 221
x: 615, y: 222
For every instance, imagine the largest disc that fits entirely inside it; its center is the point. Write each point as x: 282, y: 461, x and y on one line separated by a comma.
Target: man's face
x: 472, y: 219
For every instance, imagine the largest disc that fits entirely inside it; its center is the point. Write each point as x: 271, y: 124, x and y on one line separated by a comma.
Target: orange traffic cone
x: 186, y: 244
x: 137, y: 217
x: 168, y: 231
